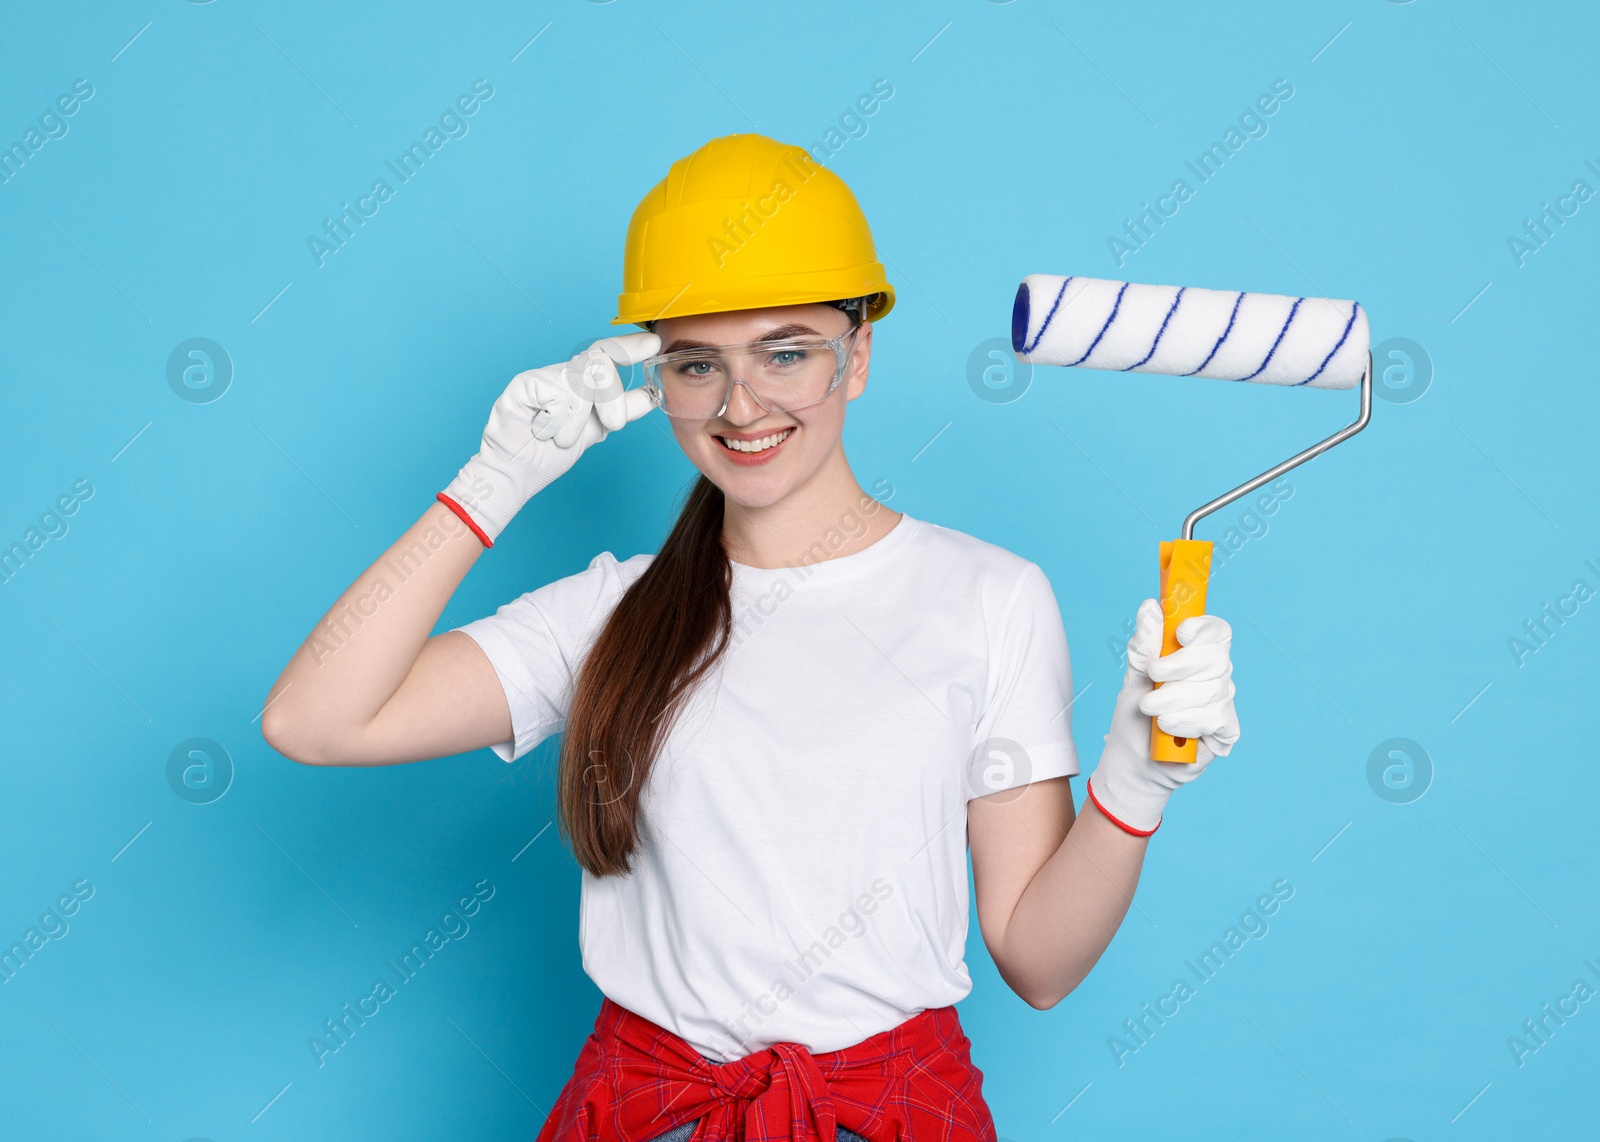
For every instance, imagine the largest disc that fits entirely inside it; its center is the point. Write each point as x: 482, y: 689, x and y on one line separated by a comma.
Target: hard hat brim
x: 785, y: 289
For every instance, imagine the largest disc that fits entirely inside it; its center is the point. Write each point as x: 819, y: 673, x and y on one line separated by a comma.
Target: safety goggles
x: 780, y: 376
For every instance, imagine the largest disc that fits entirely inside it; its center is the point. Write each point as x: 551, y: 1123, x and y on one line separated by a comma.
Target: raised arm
x: 369, y: 686
x: 1052, y: 888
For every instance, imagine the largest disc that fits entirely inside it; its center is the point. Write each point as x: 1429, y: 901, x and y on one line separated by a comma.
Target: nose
x: 743, y: 406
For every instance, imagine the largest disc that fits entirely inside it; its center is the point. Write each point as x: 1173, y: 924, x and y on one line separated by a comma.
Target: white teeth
x: 760, y: 445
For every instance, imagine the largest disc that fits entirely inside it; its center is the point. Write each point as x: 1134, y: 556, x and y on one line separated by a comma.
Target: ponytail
x: 668, y: 629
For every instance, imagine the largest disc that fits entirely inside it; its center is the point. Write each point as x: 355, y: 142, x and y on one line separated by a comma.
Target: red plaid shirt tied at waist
x: 635, y: 1080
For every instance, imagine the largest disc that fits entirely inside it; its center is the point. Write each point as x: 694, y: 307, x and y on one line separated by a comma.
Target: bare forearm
x: 360, y: 652
x: 1071, y: 909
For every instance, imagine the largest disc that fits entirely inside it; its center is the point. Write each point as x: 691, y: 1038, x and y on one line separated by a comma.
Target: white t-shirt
x: 802, y: 873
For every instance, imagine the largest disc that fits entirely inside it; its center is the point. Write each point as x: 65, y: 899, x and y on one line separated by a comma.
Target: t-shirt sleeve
x: 1025, y: 731
x: 536, y: 644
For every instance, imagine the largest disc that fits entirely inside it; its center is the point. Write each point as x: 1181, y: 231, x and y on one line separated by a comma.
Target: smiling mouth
x: 760, y: 444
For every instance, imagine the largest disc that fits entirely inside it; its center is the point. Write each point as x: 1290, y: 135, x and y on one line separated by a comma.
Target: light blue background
x: 1377, y: 604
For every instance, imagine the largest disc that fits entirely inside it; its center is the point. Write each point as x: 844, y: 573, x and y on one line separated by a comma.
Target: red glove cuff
x: 465, y: 518
x: 1107, y: 814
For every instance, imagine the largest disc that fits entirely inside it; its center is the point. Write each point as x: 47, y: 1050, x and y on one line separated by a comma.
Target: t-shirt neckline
x: 835, y: 568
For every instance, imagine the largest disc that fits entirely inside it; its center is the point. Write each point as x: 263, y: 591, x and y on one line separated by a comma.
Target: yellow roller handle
x: 1185, y: 571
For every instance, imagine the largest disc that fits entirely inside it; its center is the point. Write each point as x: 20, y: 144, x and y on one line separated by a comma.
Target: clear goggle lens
x: 696, y: 384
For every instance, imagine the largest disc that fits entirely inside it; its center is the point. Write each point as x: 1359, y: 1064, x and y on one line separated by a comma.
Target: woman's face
x: 809, y: 438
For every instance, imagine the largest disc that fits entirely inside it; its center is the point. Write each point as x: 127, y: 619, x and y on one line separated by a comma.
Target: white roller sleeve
x: 1183, y: 331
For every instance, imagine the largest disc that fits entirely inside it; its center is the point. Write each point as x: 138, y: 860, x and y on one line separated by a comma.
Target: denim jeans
x: 681, y: 1134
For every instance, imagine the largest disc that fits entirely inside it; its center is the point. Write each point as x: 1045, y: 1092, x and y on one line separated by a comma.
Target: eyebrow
x: 781, y: 333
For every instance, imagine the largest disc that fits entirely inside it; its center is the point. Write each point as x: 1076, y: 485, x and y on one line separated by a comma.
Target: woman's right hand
x: 541, y: 425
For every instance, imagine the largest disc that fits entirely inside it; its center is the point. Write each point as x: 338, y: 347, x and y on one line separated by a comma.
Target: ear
x: 860, y: 361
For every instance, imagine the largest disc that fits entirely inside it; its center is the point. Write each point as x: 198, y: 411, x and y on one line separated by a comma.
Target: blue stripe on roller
x: 1116, y: 306
x: 1355, y: 308
x: 1049, y: 316
x: 1293, y: 309
x: 1159, y: 332
x: 1221, y: 339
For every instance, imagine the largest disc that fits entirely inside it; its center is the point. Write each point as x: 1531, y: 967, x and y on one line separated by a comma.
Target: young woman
x: 783, y: 731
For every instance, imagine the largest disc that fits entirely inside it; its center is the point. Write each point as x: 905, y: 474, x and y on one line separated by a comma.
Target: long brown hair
x: 668, y: 629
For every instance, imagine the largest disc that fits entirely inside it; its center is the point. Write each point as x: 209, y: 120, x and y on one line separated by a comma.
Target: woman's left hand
x: 1195, y: 700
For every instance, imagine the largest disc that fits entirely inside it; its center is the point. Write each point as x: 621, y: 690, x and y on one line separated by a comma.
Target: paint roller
x: 1270, y: 339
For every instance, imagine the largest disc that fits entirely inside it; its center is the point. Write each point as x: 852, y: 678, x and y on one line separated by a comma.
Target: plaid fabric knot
x: 635, y: 1080
x: 779, y: 1086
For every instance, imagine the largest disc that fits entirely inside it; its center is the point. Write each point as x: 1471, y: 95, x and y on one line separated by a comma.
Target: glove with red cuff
x: 540, y: 426
x: 1195, y: 700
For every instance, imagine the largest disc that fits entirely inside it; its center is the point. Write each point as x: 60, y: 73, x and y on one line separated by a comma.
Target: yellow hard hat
x: 747, y: 222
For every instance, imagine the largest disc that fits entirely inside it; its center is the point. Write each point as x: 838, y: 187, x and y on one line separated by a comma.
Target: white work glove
x: 1195, y: 701
x: 542, y: 423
